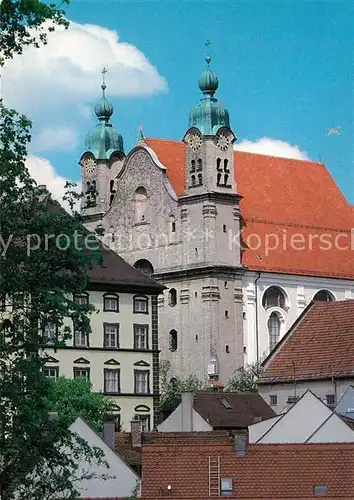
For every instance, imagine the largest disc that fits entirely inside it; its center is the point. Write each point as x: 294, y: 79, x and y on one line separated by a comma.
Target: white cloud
x: 63, y: 77
x: 272, y: 147
x: 44, y: 173
x: 65, y: 137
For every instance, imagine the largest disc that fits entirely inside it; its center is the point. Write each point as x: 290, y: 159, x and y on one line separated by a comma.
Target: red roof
x: 318, y: 346
x: 282, y: 199
x: 265, y: 472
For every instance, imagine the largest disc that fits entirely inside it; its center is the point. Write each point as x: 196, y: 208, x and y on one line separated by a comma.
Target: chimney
x: 187, y: 412
x: 240, y: 444
x: 109, y: 434
x: 135, y: 426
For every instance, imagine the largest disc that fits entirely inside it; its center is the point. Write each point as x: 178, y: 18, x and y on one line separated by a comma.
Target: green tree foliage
x: 74, y: 398
x: 28, y: 22
x: 172, y: 388
x: 43, y: 261
x: 245, y: 380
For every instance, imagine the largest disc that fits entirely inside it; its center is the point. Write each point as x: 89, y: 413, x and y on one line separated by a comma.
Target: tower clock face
x: 90, y: 165
x: 195, y: 141
x: 223, y: 141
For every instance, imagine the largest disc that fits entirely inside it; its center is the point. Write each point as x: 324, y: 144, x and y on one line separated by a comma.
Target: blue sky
x: 285, y: 71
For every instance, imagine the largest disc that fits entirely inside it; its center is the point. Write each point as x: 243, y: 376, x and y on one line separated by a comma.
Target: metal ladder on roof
x: 214, y: 476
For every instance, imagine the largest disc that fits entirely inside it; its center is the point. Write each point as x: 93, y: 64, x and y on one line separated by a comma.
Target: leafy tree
x: 173, y: 388
x: 245, y: 379
x: 28, y: 22
x: 44, y: 259
x: 74, y: 398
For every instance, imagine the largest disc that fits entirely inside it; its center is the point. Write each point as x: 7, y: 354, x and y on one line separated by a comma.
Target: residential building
x: 207, y: 411
x: 316, y: 353
x: 309, y: 420
x: 120, y: 482
x: 305, y: 453
x: 121, y: 354
x: 345, y: 406
x: 242, y: 242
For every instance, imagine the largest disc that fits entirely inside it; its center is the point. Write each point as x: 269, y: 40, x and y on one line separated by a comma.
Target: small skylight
x: 320, y: 490
x: 226, y: 404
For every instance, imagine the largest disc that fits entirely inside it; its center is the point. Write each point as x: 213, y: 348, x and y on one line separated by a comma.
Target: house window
x: 140, y: 305
x: 80, y: 338
x: 82, y: 373
x: 141, y: 381
x: 18, y: 300
x: 111, y: 303
x: 51, y: 372
x: 323, y: 296
x: 145, y: 422
x: 50, y: 333
x: 141, y: 336
x: 273, y: 400
x: 273, y: 297
x: 330, y: 399
x: 111, y: 335
x: 227, y: 349
x: 226, y: 487
x: 111, y: 381
x: 226, y: 314
x: 173, y: 340
x: 273, y: 330
x: 224, y: 228
x: 172, y: 297
x: 81, y: 299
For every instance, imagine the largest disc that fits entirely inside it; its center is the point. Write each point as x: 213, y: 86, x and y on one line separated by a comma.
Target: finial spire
x: 141, y: 133
x: 103, y: 86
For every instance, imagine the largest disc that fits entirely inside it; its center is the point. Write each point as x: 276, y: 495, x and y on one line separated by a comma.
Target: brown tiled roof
x: 319, y: 345
x: 266, y: 472
x: 282, y: 198
x: 116, y: 271
x: 245, y: 409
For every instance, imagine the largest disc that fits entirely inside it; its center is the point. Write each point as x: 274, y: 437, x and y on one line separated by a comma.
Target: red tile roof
x: 320, y: 344
x: 283, y: 197
x: 265, y: 472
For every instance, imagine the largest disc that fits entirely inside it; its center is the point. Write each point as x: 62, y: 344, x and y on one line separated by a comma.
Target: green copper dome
x: 210, y: 114
x: 104, y: 139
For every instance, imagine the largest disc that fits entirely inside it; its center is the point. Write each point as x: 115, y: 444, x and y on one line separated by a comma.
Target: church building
x: 241, y: 241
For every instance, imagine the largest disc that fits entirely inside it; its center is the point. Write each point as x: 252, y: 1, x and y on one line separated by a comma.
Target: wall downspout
x: 256, y: 298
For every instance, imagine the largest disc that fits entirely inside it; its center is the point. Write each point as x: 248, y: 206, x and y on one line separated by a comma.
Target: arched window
x: 172, y: 297
x: 273, y: 330
x: 172, y: 341
x: 218, y: 180
x: 144, y: 266
x: 193, y: 180
x: 273, y: 297
x: 226, y: 168
x: 111, y: 186
x: 111, y: 198
x: 323, y: 296
x: 200, y: 179
x: 192, y: 166
x: 141, y: 204
x: 218, y: 163
x: 200, y: 164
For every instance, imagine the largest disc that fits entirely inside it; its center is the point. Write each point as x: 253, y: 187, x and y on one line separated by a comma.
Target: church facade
x: 220, y: 229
